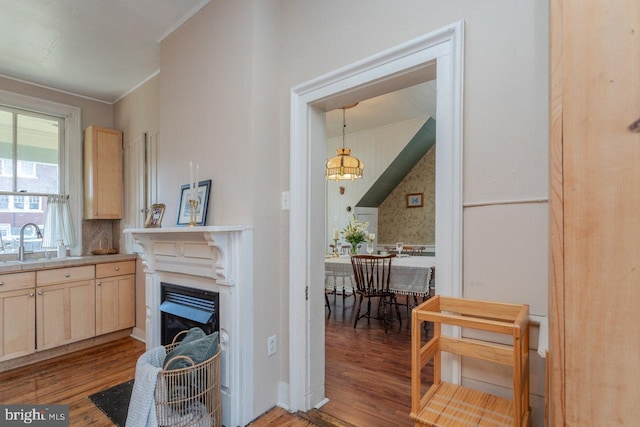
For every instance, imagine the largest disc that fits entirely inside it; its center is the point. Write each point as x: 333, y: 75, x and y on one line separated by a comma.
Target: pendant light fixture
x: 344, y: 166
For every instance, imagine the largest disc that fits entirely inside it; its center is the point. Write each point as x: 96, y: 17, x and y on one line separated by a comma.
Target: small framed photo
x: 415, y: 200
x: 184, y: 209
x: 154, y: 218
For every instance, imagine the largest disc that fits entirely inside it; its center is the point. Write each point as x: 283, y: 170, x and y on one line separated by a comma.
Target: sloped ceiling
x: 410, y: 155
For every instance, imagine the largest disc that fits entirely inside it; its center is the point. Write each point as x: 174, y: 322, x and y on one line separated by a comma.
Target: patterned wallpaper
x: 397, y: 222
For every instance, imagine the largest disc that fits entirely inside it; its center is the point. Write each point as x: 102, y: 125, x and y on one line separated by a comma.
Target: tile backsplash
x: 100, y: 229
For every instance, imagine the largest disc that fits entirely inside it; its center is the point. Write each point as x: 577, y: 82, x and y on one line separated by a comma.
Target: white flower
x: 356, y: 232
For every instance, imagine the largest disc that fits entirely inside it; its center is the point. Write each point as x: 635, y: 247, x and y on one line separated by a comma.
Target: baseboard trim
x: 39, y: 356
x: 139, y: 334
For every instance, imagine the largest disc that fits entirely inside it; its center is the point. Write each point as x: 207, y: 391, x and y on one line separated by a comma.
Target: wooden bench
x: 445, y: 404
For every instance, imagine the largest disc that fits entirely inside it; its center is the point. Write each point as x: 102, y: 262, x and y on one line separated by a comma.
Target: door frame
x: 439, y: 53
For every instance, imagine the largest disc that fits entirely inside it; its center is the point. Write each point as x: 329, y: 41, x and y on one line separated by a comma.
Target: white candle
x: 196, y: 183
x: 190, y: 180
x: 336, y: 234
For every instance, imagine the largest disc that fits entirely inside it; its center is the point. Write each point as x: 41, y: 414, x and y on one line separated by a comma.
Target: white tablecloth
x: 410, y: 275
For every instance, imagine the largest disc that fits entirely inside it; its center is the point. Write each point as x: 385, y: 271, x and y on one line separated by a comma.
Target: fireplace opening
x: 184, y: 308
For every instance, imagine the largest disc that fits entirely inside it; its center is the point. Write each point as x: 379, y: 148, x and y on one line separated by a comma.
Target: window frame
x: 70, y: 174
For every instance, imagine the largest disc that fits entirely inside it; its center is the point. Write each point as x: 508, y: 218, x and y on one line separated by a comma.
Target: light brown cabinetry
x: 17, y: 314
x: 102, y: 173
x: 115, y: 296
x: 595, y: 220
x: 49, y: 308
x: 65, y: 306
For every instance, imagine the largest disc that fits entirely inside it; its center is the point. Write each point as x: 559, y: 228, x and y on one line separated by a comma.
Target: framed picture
x: 184, y: 209
x: 154, y: 218
x: 415, y: 200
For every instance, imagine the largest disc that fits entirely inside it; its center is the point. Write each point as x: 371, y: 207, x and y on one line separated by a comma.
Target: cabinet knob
x: 117, y: 268
x: 31, y: 294
x: 1, y: 283
x: 67, y: 275
x: 40, y: 292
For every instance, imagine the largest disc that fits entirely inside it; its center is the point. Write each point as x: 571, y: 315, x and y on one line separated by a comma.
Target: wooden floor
x: 367, y: 373
x: 70, y: 379
x: 367, y: 377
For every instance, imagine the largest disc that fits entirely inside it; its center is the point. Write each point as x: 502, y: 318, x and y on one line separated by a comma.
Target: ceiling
x: 102, y: 49
x: 398, y: 106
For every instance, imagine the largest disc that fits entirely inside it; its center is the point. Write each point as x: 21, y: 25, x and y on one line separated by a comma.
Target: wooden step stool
x: 446, y: 404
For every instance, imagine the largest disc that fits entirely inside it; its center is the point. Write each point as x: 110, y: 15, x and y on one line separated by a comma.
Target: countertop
x: 15, y: 266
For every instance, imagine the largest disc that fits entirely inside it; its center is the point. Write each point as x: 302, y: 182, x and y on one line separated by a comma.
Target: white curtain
x: 57, y: 222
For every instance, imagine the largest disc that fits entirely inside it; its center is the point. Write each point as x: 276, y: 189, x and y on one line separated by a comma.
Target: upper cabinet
x: 102, y: 173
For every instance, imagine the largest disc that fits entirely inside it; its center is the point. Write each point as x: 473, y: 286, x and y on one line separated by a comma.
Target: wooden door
x: 17, y: 323
x: 65, y: 313
x: 595, y: 212
x: 115, y: 304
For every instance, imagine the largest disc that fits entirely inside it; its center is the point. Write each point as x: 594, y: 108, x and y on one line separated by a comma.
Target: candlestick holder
x: 193, y: 211
x: 335, y: 248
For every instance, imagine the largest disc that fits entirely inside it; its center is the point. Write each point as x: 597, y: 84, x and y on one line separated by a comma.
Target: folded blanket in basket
x: 142, y: 411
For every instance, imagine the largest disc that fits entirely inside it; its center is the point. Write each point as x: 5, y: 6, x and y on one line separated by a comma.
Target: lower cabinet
x: 17, y: 312
x: 65, y: 306
x: 115, y: 298
x: 49, y: 308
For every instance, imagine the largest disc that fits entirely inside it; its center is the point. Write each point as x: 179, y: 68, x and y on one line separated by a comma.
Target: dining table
x: 410, y: 275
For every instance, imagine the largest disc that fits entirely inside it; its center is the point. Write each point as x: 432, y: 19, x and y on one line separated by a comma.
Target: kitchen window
x: 40, y: 154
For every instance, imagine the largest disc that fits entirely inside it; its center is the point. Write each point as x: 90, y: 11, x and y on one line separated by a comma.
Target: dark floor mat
x: 114, y: 402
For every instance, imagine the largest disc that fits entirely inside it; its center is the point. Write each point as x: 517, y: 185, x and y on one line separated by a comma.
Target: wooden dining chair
x: 372, y: 274
x: 413, y: 250
x: 339, y: 282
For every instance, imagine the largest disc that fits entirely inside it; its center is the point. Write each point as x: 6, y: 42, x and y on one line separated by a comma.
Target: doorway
x: 436, y: 54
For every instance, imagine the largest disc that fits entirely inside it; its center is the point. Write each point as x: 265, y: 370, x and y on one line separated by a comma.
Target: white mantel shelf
x: 214, y: 258
x: 189, y: 230
x: 203, y: 251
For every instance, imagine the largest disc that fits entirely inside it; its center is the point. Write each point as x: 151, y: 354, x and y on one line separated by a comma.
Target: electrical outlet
x: 271, y: 345
x: 285, y: 200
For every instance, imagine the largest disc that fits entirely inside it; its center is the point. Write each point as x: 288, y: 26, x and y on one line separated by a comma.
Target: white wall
x: 224, y: 103
x: 505, y: 126
x: 219, y: 93
x: 135, y: 115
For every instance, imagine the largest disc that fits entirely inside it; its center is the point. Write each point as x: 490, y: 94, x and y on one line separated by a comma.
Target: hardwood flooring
x: 367, y: 372
x: 367, y: 377
x: 71, y: 378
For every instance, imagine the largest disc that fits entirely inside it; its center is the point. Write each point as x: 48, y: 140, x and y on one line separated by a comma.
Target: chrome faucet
x: 21, y: 247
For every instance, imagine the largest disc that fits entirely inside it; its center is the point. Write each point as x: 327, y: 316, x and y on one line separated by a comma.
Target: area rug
x: 114, y: 402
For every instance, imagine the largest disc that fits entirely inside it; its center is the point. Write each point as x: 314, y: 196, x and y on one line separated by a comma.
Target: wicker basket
x: 106, y: 250
x: 189, y: 396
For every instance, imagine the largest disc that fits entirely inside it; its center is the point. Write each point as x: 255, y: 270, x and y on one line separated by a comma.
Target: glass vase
x: 354, y: 249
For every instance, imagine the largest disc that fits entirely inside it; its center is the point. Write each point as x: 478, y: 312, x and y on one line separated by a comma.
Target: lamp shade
x: 344, y: 166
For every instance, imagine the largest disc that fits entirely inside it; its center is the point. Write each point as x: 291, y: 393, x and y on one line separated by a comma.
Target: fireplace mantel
x: 216, y: 258
x: 202, y: 251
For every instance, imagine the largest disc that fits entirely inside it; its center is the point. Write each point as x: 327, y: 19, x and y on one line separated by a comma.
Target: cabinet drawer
x: 61, y: 275
x: 115, y: 269
x: 13, y: 281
